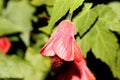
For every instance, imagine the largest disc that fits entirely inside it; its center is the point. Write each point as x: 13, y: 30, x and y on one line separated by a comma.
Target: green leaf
x: 105, y: 43
x: 40, y: 64
x: 45, y: 29
x: 85, y: 43
x: 14, y: 38
x: 14, y: 67
x: 7, y: 27
x: 116, y: 67
x: 74, y: 4
x: 84, y: 19
x: 1, y: 5
x: 108, y: 16
x: 41, y: 2
x: 101, y: 40
x: 20, y: 13
x: 60, y: 8
x: 34, y: 67
x: 115, y: 24
x: 116, y: 8
x: 25, y: 36
x: 40, y: 40
x: 49, y: 9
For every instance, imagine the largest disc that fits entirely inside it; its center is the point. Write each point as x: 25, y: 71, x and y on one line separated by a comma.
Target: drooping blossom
x: 63, y: 44
x: 76, y: 71
x: 5, y: 45
x: 65, y: 51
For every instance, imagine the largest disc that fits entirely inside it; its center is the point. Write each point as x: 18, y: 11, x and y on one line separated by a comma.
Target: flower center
x: 56, y: 63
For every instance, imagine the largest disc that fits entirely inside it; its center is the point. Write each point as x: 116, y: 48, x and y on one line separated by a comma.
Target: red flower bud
x: 4, y: 45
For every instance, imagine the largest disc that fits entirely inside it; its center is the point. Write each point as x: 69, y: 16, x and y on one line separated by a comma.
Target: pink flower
x: 76, y: 71
x: 4, y: 45
x: 63, y: 44
x: 65, y: 51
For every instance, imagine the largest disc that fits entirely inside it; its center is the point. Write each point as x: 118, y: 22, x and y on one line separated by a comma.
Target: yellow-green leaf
x: 7, y: 27
x: 40, y: 64
x: 1, y: 5
x: 108, y: 15
x: 14, y: 67
x: 20, y: 13
x: 84, y: 19
x: 74, y: 4
x: 60, y: 8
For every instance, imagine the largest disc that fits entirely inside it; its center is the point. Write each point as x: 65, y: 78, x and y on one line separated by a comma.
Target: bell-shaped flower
x: 63, y: 44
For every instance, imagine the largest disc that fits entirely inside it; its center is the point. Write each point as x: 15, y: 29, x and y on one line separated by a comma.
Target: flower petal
x: 63, y: 47
x: 77, y: 51
x: 66, y: 27
x: 47, y: 50
x: 85, y: 73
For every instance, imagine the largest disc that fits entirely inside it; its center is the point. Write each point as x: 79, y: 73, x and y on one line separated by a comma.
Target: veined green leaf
x: 101, y: 40
x: 85, y: 43
x: 84, y: 19
x: 105, y: 44
x: 60, y: 8
x: 109, y: 16
x: 74, y: 4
